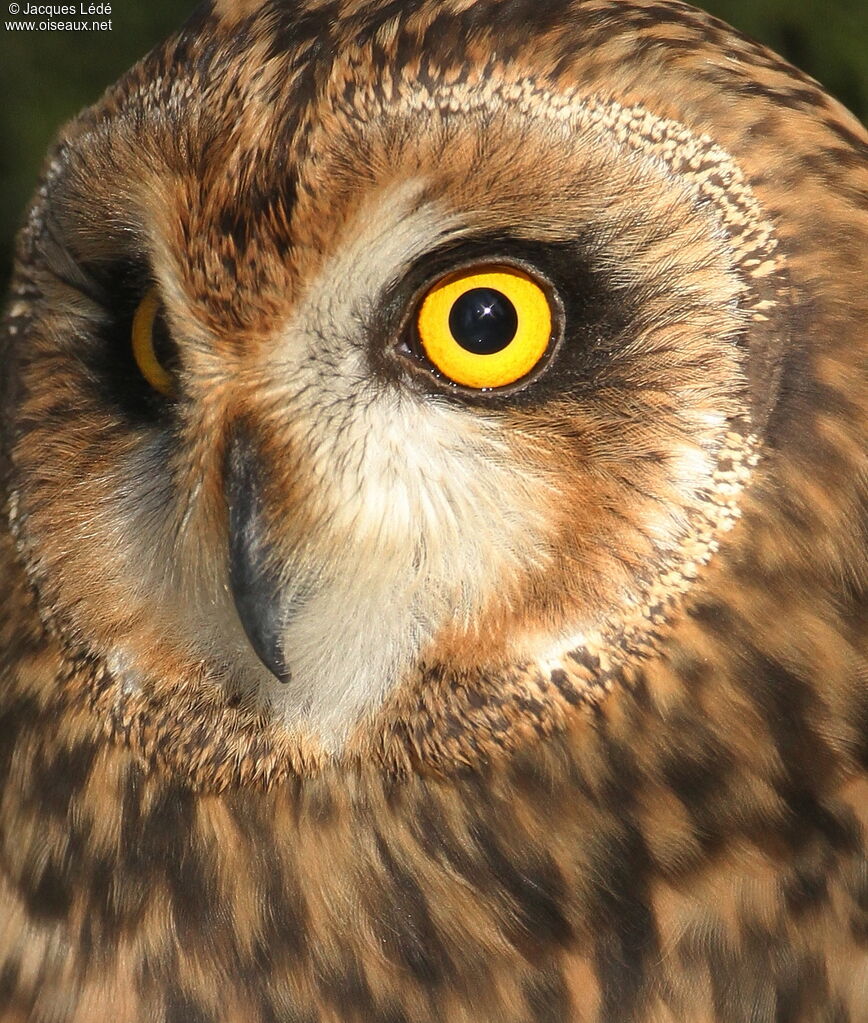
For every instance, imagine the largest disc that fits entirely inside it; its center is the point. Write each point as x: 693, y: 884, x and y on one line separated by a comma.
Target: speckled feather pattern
x: 627, y: 782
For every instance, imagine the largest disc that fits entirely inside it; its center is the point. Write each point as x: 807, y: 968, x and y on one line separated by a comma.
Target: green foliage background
x: 46, y: 77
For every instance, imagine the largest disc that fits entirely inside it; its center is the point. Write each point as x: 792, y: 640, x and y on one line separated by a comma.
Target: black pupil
x: 483, y: 321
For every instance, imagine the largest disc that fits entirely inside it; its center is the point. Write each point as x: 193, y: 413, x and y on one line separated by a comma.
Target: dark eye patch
x: 108, y: 355
x: 594, y: 320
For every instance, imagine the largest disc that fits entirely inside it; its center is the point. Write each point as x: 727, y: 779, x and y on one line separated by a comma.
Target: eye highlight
x: 485, y: 328
x: 151, y: 344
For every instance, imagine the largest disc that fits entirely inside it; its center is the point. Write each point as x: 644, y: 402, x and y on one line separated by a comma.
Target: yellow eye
x: 148, y: 337
x: 485, y: 328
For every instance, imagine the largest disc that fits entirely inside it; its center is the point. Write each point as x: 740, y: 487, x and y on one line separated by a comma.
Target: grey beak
x: 256, y: 586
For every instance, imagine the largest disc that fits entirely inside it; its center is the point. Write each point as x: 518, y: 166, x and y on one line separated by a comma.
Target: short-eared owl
x: 435, y: 471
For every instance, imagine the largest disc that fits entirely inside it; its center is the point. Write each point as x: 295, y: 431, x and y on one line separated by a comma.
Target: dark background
x: 45, y: 77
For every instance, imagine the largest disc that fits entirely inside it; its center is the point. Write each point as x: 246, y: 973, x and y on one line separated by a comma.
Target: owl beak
x: 256, y: 586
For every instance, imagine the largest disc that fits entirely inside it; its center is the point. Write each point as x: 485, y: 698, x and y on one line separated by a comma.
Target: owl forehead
x: 309, y: 123
x: 318, y: 174
x: 379, y: 189
x: 263, y: 134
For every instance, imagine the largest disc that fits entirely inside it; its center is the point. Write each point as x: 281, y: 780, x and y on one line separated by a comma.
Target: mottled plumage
x: 331, y: 691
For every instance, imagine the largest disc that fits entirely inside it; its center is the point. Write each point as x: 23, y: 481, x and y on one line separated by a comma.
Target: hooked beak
x: 257, y: 588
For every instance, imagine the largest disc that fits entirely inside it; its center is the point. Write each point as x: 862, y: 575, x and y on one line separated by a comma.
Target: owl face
x: 360, y: 377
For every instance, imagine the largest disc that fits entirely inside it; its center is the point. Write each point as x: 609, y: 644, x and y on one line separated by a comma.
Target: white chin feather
x: 419, y: 496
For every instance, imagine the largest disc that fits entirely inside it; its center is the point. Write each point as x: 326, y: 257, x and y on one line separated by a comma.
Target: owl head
x: 382, y: 380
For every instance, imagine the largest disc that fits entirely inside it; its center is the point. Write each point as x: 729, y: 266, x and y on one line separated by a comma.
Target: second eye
x: 485, y: 328
x: 152, y: 345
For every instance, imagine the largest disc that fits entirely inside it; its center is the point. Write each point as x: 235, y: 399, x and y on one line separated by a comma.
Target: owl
x: 435, y: 529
